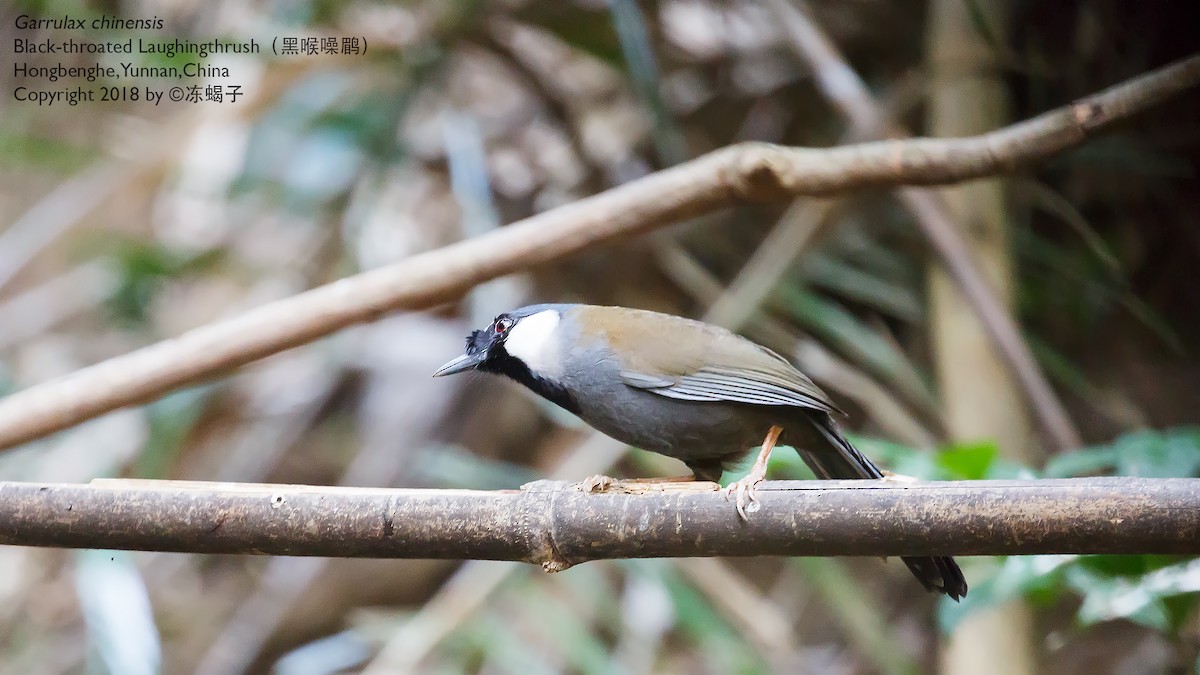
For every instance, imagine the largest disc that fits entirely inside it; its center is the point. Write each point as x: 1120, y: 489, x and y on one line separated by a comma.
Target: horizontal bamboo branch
x: 747, y: 171
x: 554, y: 524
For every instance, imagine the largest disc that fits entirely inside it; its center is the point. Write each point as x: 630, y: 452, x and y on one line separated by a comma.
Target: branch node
x: 540, y: 523
x: 1088, y: 114
x: 552, y: 566
x: 756, y: 174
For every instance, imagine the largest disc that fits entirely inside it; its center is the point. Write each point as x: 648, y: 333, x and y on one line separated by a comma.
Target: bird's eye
x: 502, y: 325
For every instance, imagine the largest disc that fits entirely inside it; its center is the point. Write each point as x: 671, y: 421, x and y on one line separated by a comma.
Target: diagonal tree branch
x: 554, y: 524
x: 748, y: 171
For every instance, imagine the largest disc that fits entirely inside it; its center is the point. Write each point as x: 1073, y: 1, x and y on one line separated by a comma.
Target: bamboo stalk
x: 554, y: 524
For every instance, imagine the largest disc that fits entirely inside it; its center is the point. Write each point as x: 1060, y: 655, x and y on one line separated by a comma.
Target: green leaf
x: 1143, y: 600
x: 1153, y: 454
x: 585, y: 31
x: 1157, y: 591
x: 1015, y: 577
x: 1105, y: 599
x: 785, y: 464
x: 969, y: 461
x: 901, y: 459
x: 1172, y: 453
x: 144, y: 270
x: 20, y: 152
x: 1084, y: 462
x: 1126, y: 565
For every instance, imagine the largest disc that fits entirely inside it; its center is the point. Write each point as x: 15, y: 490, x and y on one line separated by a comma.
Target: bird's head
x: 521, y: 344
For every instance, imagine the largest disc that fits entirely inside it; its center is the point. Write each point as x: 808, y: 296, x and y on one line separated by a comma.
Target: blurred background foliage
x: 124, y: 224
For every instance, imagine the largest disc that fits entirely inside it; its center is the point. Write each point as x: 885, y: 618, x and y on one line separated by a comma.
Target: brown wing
x: 693, y: 361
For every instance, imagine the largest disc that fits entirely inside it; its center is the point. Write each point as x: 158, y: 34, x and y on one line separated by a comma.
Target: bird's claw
x: 744, y: 495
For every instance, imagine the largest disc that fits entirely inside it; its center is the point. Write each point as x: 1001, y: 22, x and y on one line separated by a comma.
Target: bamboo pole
x: 554, y: 524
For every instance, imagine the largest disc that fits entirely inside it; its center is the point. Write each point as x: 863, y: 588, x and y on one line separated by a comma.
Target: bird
x: 681, y: 388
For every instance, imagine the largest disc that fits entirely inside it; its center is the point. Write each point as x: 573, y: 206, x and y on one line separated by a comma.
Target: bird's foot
x: 892, y: 477
x: 743, y: 493
x: 742, y: 489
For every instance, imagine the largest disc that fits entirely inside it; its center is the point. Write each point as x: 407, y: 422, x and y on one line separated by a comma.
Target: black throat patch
x: 502, y: 363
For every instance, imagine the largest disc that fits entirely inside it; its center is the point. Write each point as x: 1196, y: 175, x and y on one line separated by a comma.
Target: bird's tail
x: 830, y: 455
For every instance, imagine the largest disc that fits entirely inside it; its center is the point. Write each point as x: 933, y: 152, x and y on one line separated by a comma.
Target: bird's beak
x: 461, y: 363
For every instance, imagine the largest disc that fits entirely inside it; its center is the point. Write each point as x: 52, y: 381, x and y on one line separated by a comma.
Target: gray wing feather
x: 736, y: 386
x: 644, y: 381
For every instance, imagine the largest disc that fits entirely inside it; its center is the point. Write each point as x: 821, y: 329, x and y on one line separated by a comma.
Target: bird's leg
x: 892, y: 477
x: 743, y: 489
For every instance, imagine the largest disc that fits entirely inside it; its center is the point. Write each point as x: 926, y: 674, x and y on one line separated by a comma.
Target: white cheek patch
x: 533, y: 341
